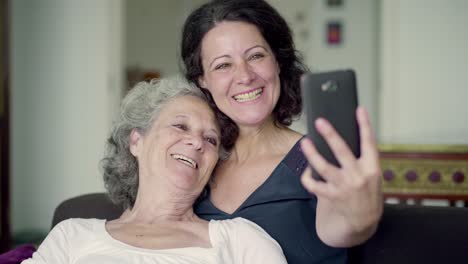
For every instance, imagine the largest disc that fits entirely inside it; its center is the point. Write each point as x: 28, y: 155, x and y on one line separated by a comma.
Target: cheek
x: 214, y: 158
x: 218, y: 83
x: 211, y: 161
x: 157, y: 148
x: 269, y: 71
x: 270, y: 74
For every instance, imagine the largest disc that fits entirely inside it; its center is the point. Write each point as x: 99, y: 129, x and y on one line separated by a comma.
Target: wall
x: 4, y: 206
x: 66, y: 85
x: 153, y: 30
x: 298, y: 14
x: 424, y: 88
x: 359, y: 49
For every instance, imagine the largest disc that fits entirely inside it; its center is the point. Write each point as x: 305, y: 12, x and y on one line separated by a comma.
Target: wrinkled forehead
x: 191, y: 108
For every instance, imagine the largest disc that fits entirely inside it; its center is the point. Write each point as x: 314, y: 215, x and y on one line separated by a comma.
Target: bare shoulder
x: 287, y: 139
x: 294, y: 136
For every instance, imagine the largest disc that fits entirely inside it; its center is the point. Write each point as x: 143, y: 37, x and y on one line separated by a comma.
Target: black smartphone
x: 333, y: 96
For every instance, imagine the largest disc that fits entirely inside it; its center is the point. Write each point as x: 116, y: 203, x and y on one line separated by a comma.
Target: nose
x: 244, y: 73
x: 196, y: 141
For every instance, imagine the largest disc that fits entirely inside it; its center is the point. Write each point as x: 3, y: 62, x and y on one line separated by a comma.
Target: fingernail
x: 320, y: 122
x: 363, y: 110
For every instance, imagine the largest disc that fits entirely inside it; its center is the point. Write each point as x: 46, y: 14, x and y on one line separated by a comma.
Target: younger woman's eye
x: 212, y: 141
x: 256, y: 56
x: 180, y: 126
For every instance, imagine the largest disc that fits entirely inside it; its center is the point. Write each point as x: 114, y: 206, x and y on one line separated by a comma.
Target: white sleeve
x: 54, y: 248
x: 252, y: 244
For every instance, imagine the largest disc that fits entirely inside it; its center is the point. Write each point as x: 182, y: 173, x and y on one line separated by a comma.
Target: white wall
x: 424, y: 68
x: 298, y: 14
x: 153, y: 30
x: 66, y: 84
x: 359, y: 49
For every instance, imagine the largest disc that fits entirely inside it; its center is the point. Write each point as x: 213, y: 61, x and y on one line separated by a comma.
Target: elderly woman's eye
x: 222, y: 66
x: 180, y: 126
x: 212, y: 141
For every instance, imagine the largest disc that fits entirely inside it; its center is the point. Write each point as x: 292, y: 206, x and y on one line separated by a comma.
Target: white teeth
x: 249, y: 96
x: 185, y: 160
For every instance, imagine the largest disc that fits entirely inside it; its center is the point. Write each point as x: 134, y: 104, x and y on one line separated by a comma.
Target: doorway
x: 4, y: 127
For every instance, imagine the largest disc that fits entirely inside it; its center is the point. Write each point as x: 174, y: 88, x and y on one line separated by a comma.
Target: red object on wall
x: 334, y: 33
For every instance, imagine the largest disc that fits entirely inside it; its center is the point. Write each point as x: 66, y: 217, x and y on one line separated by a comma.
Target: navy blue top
x: 286, y: 211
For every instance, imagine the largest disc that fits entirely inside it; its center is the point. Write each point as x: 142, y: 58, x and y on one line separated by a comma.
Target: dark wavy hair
x: 274, y: 30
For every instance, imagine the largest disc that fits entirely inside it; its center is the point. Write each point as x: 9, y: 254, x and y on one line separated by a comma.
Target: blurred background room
x: 66, y: 64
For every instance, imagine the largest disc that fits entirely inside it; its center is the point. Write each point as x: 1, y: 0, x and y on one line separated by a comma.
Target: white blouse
x: 80, y: 241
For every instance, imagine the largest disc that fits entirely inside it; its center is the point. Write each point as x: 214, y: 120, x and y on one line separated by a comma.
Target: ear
x: 202, y: 82
x: 135, y: 142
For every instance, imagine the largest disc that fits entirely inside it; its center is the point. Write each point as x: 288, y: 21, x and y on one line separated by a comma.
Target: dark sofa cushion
x: 417, y: 234
x: 94, y: 205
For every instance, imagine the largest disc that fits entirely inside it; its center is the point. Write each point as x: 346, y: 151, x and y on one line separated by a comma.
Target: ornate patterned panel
x: 425, y: 171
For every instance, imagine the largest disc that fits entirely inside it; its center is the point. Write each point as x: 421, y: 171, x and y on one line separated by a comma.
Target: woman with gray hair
x: 160, y: 156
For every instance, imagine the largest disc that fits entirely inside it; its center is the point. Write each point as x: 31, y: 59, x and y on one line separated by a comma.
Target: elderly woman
x: 160, y: 156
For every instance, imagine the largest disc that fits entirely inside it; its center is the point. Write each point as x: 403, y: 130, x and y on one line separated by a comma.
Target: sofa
x: 406, y: 233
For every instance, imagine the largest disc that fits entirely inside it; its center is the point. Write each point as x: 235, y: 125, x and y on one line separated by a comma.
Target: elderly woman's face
x: 181, y: 148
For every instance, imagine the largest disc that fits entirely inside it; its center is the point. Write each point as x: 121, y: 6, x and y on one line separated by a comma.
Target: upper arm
x: 255, y: 245
x: 54, y: 248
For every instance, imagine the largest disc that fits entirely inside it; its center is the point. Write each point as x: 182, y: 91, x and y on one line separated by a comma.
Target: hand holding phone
x: 333, y: 96
x: 351, y: 196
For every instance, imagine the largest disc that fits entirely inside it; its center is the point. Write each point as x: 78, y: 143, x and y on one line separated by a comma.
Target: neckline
x: 261, y: 186
x: 121, y: 244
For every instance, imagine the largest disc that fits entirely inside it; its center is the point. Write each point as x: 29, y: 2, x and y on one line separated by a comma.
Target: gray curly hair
x: 139, y: 110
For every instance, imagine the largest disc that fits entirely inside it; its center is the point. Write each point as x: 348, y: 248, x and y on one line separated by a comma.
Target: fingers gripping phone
x: 333, y: 96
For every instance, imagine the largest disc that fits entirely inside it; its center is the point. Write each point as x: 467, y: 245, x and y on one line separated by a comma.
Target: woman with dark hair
x: 241, y: 54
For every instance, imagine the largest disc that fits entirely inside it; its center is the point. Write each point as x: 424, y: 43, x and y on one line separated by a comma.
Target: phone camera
x: 329, y: 86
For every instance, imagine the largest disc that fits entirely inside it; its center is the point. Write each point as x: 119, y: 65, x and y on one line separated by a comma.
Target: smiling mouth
x: 186, y: 160
x: 252, y: 95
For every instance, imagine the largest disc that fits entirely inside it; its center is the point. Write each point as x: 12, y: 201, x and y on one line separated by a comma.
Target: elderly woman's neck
x: 149, y: 209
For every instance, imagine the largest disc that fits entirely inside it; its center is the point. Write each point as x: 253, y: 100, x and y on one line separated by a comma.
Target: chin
x: 187, y: 190
x: 250, y: 119
x: 184, y: 180
x: 256, y: 115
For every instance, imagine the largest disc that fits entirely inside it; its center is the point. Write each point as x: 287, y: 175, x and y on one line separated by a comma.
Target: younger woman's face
x: 241, y: 72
